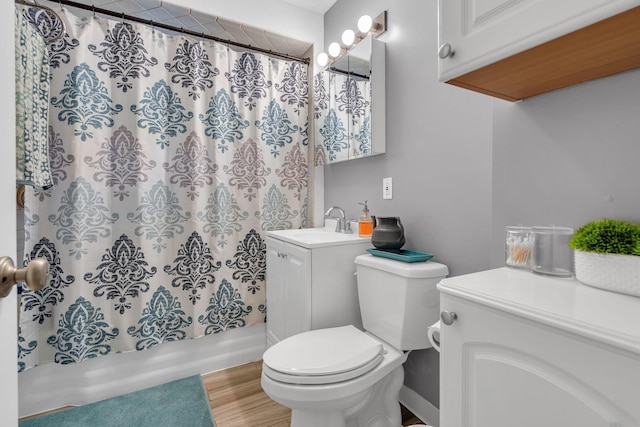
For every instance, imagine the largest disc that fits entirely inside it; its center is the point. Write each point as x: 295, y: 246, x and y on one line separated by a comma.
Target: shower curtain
x: 170, y: 158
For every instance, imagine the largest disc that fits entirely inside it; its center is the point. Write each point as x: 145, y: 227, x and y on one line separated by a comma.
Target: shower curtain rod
x: 349, y: 73
x: 155, y: 24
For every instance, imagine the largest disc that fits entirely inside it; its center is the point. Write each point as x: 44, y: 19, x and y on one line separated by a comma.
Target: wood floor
x: 237, y: 400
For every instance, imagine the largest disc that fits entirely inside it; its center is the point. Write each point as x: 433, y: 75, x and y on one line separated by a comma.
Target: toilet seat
x: 323, y: 356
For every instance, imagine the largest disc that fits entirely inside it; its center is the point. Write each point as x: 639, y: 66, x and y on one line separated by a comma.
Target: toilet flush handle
x: 448, y: 317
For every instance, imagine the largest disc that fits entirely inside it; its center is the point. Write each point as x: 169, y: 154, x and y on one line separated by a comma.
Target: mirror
x: 349, y: 105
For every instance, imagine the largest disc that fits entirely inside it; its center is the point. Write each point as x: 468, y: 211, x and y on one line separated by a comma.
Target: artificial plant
x: 607, y: 236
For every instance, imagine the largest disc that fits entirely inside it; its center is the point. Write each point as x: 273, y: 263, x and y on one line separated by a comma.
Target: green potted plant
x: 607, y: 255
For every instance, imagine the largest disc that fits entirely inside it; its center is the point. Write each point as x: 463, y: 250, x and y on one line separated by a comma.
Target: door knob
x: 35, y: 275
x: 448, y: 317
x: 446, y: 51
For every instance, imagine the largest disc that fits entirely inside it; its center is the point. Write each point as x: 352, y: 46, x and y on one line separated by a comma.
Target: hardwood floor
x: 237, y: 400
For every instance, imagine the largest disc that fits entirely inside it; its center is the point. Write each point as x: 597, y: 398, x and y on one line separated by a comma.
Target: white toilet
x: 345, y: 377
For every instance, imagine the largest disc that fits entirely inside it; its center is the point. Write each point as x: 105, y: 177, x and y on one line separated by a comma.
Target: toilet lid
x: 323, y: 356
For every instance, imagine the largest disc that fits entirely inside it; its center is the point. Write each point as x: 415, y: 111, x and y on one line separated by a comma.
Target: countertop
x: 311, y: 238
x: 563, y: 303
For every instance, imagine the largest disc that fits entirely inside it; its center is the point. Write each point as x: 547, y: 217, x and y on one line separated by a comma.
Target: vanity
x: 311, y: 282
x: 527, y: 350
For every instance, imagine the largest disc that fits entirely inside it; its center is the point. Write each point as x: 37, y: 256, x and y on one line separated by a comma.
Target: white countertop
x: 566, y: 304
x: 318, y: 237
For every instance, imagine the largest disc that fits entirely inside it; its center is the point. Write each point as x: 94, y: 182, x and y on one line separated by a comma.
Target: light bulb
x: 365, y: 23
x: 348, y: 37
x: 322, y: 59
x: 335, y: 49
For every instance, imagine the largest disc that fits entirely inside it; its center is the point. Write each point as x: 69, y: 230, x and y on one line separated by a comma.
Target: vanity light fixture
x: 366, y: 26
x: 323, y: 59
x: 348, y: 38
x: 335, y: 49
x: 365, y: 23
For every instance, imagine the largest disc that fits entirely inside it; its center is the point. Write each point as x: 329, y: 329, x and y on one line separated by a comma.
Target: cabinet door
x: 288, y: 290
x: 298, y: 290
x: 481, y: 32
x: 498, y: 370
x: 276, y: 283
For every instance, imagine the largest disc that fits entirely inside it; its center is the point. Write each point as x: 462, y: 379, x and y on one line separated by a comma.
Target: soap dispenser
x: 365, y: 223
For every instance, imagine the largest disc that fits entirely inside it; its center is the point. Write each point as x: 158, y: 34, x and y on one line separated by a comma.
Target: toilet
x: 344, y: 377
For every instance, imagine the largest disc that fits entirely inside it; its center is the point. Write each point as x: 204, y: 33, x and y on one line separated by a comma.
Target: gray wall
x: 567, y: 157
x: 438, y: 143
x: 465, y: 165
x: 438, y: 154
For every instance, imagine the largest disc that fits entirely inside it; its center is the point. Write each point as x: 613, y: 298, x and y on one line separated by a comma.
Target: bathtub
x: 52, y: 385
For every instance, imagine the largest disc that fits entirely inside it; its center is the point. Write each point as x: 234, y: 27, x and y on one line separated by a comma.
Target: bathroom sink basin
x: 317, y: 237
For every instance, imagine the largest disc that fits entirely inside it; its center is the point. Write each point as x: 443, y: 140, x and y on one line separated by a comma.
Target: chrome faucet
x: 342, y: 226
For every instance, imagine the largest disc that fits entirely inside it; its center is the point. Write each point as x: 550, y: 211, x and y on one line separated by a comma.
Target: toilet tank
x: 398, y: 300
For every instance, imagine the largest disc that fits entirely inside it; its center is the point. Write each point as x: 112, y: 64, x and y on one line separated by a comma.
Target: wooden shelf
x: 607, y: 47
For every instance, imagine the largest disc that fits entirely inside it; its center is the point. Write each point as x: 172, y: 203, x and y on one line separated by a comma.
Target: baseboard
x: 420, y: 406
x: 53, y: 386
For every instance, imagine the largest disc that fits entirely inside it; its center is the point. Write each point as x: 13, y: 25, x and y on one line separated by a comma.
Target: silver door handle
x: 35, y: 275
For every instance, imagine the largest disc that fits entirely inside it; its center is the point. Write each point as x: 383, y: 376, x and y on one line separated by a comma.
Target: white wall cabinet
x: 476, y: 33
x: 530, y: 351
x: 310, y: 287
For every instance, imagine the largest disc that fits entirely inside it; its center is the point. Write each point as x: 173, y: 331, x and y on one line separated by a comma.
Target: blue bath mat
x: 182, y: 403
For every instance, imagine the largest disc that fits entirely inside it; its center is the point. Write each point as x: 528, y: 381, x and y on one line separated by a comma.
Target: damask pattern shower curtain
x: 171, y: 157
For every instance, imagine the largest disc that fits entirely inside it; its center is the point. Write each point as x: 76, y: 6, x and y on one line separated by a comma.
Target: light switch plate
x: 387, y: 188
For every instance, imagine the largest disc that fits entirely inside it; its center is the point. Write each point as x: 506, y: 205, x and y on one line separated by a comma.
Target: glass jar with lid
x: 551, y: 253
x: 518, y: 246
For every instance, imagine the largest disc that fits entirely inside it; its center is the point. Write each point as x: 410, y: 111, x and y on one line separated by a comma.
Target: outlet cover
x: 387, y: 188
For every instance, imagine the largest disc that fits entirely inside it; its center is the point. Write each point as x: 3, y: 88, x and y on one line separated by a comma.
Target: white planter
x: 613, y: 272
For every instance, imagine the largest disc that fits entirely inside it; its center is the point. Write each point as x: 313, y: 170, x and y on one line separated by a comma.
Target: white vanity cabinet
x: 311, y: 284
x: 288, y: 290
x: 527, y: 350
x: 515, y: 49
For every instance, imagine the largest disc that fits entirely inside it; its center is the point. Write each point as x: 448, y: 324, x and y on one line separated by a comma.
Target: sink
x: 317, y: 237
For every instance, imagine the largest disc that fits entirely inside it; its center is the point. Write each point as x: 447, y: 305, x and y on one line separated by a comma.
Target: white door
x: 8, y: 308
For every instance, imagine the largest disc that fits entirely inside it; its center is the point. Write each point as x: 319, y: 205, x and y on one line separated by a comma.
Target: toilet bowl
x: 330, y: 392
x: 344, y: 377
